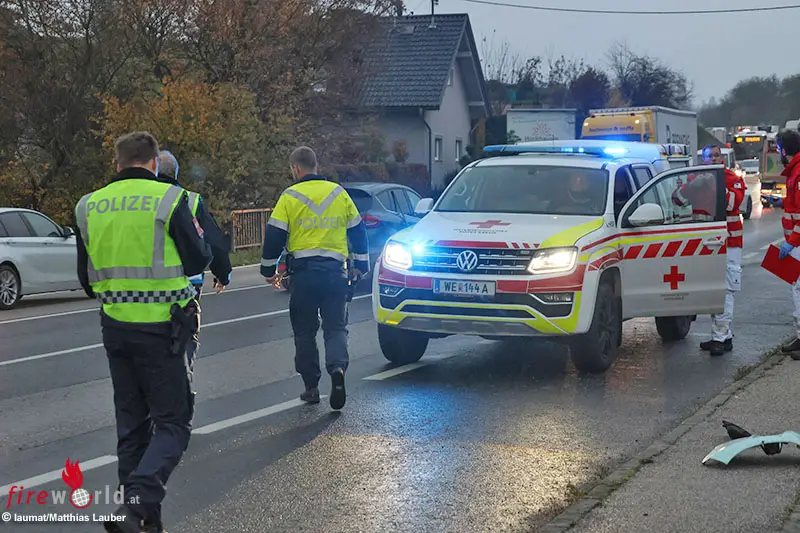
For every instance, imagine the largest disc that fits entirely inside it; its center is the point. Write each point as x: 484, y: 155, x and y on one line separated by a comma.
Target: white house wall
x: 408, y: 127
x: 450, y: 122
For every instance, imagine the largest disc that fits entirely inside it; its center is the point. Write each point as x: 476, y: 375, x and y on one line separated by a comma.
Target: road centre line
x: 775, y: 242
x: 202, y: 327
x: 55, y: 475
x: 211, y: 292
x: 208, y: 429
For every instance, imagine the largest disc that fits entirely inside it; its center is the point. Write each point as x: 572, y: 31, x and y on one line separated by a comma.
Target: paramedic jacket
x: 277, y: 238
x: 221, y: 264
x: 195, y: 253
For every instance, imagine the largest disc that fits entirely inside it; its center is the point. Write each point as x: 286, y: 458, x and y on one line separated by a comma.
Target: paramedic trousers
x: 154, y: 406
x: 721, y: 324
x: 318, y: 292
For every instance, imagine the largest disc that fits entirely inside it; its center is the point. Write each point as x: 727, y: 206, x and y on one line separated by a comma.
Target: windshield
x: 750, y: 164
x: 527, y: 189
x: 748, y: 146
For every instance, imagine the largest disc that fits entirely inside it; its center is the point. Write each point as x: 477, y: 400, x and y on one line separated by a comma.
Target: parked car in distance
x: 36, y: 256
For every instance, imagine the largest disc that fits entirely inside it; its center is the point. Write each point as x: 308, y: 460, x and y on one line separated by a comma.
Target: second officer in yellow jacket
x: 314, y: 219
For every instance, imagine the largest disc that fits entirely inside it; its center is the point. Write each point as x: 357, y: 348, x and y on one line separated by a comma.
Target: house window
x: 437, y: 149
x: 459, y: 149
x: 450, y: 77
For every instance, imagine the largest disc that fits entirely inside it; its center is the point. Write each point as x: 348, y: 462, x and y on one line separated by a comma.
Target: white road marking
x: 247, y: 417
x: 110, y: 459
x: 386, y: 374
x: 206, y: 294
x: 775, y: 242
x: 56, y: 474
x: 750, y: 255
x: 202, y: 327
x: 392, y: 372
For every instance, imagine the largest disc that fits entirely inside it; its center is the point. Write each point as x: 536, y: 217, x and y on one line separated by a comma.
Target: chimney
x: 398, y: 8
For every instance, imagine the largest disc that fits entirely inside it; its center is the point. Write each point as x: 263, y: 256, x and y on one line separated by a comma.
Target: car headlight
x: 397, y: 255
x: 551, y: 260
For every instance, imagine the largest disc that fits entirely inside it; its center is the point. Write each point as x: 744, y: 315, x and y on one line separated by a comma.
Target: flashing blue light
x: 418, y: 249
x: 615, y: 150
x: 512, y: 149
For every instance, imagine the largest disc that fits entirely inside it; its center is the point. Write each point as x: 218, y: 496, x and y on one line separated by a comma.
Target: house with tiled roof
x: 426, y: 86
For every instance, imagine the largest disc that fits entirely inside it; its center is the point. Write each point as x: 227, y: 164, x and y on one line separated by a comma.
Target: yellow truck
x: 651, y: 124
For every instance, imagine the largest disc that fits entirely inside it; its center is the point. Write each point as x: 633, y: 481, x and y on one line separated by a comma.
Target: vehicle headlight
x: 551, y: 260
x: 397, y: 255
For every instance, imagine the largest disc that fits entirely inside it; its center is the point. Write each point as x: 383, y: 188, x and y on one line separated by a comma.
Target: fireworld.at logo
x: 78, y: 497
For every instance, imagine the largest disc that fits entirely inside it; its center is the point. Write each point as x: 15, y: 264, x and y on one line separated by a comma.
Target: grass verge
x: 250, y: 256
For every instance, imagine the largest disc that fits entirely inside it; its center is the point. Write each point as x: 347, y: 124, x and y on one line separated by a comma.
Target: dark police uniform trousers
x: 154, y: 405
x: 319, y: 289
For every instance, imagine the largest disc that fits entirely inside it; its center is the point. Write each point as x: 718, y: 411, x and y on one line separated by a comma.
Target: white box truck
x: 541, y: 124
x: 651, y: 124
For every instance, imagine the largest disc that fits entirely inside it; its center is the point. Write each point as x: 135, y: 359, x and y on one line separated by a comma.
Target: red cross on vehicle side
x: 489, y: 224
x: 674, y: 278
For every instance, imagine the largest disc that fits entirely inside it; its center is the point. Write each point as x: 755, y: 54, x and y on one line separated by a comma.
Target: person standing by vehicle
x: 137, y: 243
x: 313, y: 220
x: 221, y: 264
x: 788, y: 142
x: 721, y: 334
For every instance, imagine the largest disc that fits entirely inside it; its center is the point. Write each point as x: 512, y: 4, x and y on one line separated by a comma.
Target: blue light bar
x: 514, y: 149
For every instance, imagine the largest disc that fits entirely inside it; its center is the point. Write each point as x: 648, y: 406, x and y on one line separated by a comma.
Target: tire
x: 10, y: 287
x: 748, y: 210
x: 673, y: 328
x: 401, y: 346
x: 594, y: 352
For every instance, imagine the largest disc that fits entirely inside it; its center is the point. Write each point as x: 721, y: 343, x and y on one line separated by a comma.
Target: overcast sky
x: 745, y: 44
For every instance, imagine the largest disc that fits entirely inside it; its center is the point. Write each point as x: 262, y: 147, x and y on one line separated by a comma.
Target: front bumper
x: 520, y: 307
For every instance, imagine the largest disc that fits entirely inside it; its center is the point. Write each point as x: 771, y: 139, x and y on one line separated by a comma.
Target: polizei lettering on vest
x: 320, y: 222
x: 133, y: 202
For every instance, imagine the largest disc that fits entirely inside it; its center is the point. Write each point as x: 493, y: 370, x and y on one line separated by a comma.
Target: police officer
x: 788, y: 142
x: 137, y: 242
x: 313, y: 220
x: 221, y: 265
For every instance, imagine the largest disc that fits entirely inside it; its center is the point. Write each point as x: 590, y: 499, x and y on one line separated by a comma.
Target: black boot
x: 716, y: 348
x: 726, y: 346
x: 338, y: 393
x: 793, y: 349
x: 131, y: 524
x: 310, y: 395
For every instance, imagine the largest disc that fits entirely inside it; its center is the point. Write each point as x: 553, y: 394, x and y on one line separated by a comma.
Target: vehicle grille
x: 493, y: 261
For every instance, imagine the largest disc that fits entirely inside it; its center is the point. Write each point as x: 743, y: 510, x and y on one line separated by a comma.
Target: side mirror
x: 647, y: 215
x: 423, y: 206
x: 67, y: 232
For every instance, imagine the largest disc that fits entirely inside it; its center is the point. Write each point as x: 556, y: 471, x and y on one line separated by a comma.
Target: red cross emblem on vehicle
x: 674, y: 278
x: 489, y: 224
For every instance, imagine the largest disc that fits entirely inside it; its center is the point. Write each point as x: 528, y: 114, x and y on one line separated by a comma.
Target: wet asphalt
x: 479, y: 436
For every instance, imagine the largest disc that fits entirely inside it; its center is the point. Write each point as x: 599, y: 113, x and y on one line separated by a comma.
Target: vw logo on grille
x: 467, y: 260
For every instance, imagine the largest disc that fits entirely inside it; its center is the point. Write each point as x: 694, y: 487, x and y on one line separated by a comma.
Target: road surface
x: 477, y: 436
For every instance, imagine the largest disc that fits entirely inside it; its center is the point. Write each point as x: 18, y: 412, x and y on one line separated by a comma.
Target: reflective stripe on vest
x: 194, y: 202
x: 146, y: 297
x: 157, y: 270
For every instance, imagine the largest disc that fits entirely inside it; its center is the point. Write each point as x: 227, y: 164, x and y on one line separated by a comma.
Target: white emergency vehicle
x: 563, y: 240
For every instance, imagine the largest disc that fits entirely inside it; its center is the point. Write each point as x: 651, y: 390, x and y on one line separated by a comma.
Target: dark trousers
x: 318, y: 293
x: 154, y: 406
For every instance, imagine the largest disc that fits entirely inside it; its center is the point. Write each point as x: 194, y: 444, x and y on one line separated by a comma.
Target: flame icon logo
x: 73, y: 477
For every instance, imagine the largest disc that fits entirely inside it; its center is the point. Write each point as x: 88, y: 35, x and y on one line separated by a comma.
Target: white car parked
x: 36, y: 256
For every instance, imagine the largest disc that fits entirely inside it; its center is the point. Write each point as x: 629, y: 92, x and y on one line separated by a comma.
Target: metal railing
x: 247, y: 228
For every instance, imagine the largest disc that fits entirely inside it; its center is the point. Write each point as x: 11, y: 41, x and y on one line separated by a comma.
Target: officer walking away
x: 221, y: 265
x: 313, y: 220
x: 721, y: 334
x: 137, y: 243
x: 788, y: 142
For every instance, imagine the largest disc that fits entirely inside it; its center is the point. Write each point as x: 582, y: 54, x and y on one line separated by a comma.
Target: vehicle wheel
x: 748, y: 210
x: 594, y: 352
x: 673, y: 328
x: 10, y: 287
x: 401, y: 346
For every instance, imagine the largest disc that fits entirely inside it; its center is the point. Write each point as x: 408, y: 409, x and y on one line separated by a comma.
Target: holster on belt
x: 184, y: 322
x: 290, y: 264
